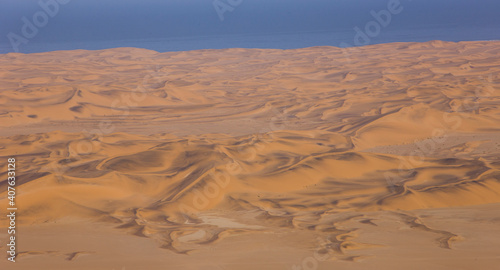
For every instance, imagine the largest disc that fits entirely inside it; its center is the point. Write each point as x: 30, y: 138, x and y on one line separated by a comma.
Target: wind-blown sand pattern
x: 377, y: 157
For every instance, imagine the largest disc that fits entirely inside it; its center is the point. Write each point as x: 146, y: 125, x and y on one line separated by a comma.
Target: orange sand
x: 377, y: 157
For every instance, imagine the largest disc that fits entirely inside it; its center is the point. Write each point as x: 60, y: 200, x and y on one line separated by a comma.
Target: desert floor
x: 377, y: 157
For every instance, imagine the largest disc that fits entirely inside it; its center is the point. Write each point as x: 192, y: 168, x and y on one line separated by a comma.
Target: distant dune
x: 377, y: 157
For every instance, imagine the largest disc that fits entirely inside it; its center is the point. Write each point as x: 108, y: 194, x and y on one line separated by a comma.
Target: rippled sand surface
x: 376, y: 157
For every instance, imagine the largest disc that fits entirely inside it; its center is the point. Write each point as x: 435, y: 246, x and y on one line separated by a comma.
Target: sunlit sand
x: 377, y: 157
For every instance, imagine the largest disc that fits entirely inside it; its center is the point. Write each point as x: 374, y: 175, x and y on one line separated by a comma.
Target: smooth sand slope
x: 377, y: 157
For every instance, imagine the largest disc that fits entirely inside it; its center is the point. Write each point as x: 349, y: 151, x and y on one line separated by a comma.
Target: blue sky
x: 140, y: 19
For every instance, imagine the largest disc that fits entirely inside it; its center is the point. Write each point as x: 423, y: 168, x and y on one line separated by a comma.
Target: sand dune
x: 377, y: 157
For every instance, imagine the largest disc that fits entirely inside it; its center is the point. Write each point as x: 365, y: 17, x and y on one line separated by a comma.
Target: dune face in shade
x: 377, y: 157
